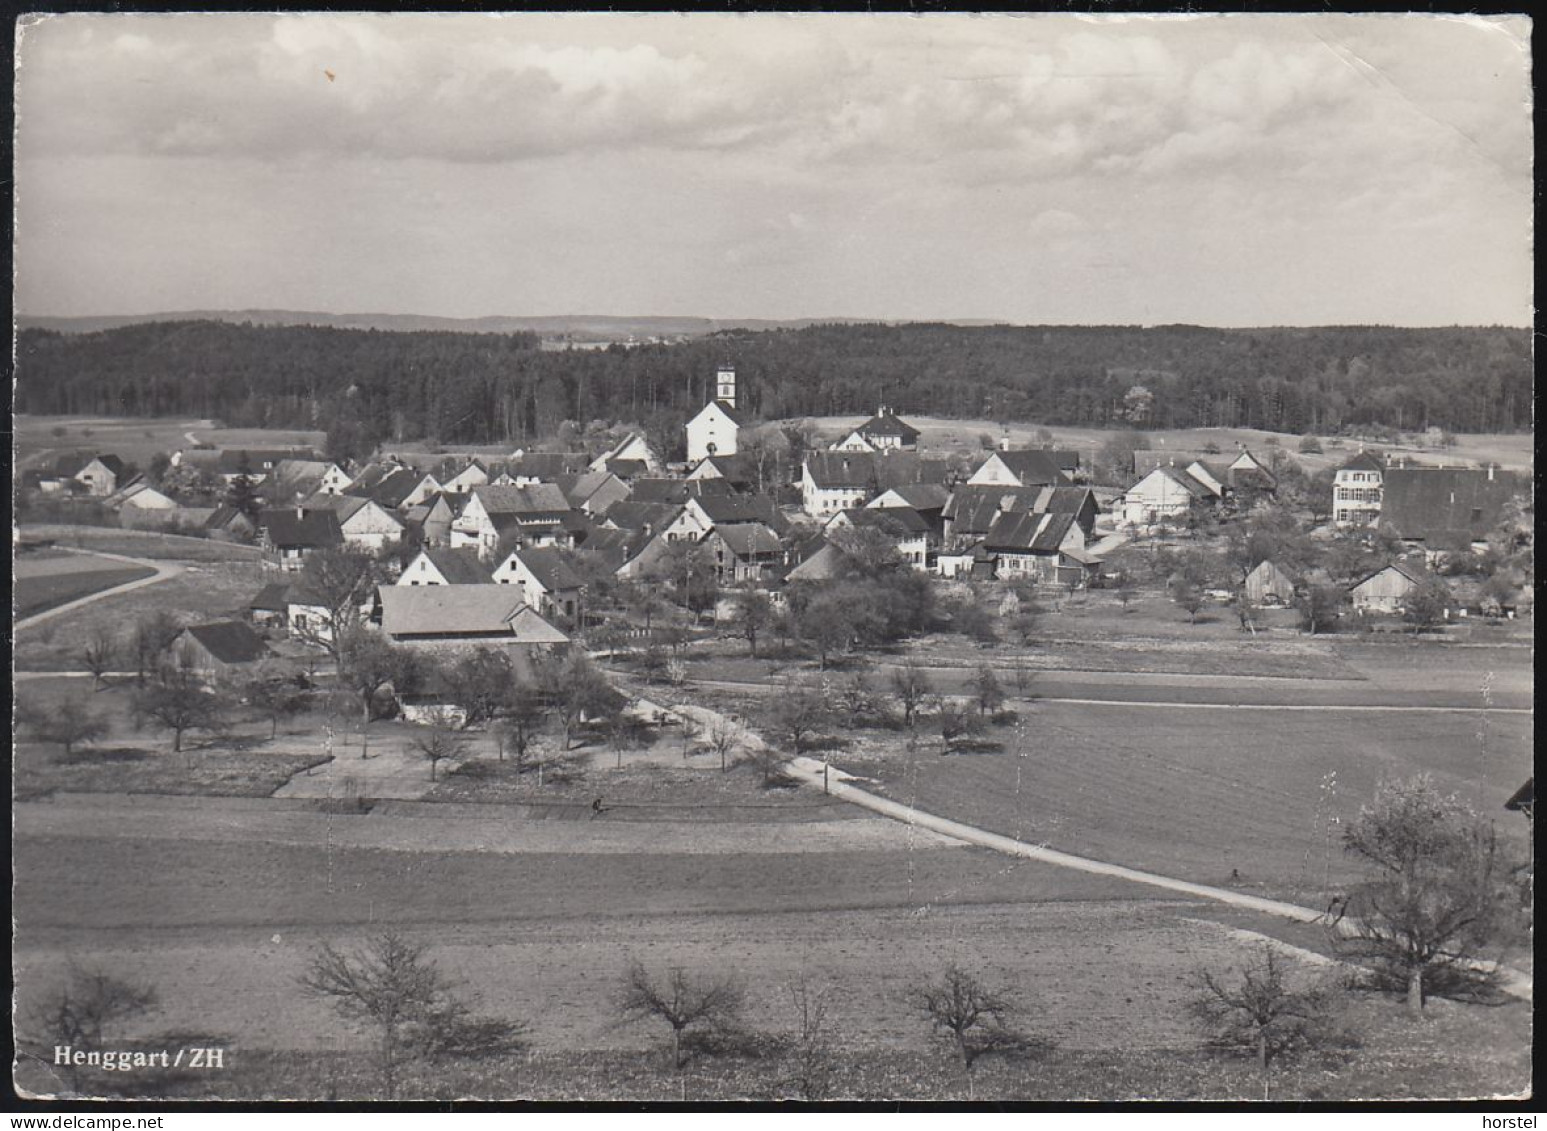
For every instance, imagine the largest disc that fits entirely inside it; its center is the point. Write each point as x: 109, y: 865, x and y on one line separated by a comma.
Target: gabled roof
x: 390, y: 489
x: 577, y: 489
x: 1026, y: 532
x: 272, y: 598
x: 1362, y: 461
x: 546, y: 465
x: 1445, y: 505
x: 921, y: 496
x: 1412, y: 569
x: 109, y: 461
x: 729, y: 510
x: 230, y: 642
x: 458, y: 567
x: 448, y: 610
x: 551, y: 568
x: 821, y: 562
x: 1032, y: 467
x: 895, y: 522
x: 229, y: 462
x: 224, y: 517
x: 631, y: 514
x: 311, y: 529
x: 749, y: 539
x: 736, y: 415
x: 533, y: 499
x: 606, y: 549
x: 829, y: 470
x: 886, y: 423
x: 69, y: 465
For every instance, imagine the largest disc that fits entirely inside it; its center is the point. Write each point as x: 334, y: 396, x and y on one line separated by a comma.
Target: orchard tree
x: 1266, y: 1008
x: 79, y: 1012
x: 368, y: 663
x: 688, y: 1004
x: 974, y: 1019
x: 274, y: 694
x: 150, y: 642
x: 986, y: 686
x: 911, y: 686
x: 1434, y: 895
x: 827, y: 624
x: 338, y: 582
x: 99, y: 654
x: 67, y: 724
x: 750, y: 613
x: 439, y: 740
x: 1426, y: 604
x: 521, y: 717
x: 480, y: 682
x: 797, y: 715
x: 178, y: 701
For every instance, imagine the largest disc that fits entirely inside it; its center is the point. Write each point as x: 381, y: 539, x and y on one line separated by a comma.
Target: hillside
x: 365, y: 386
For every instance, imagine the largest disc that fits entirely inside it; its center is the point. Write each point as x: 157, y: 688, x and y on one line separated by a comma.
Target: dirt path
x: 164, y: 571
x: 836, y: 783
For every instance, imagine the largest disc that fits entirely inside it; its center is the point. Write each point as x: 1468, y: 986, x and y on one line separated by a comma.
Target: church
x: 713, y: 431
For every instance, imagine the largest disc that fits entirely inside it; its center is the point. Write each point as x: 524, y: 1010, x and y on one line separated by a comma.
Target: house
x: 530, y: 514
x: 633, y: 448
x: 293, y: 479
x: 1387, y: 589
x: 472, y: 473
x: 698, y: 516
x: 525, y: 467
x: 545, y: 580
x: 928, y: 499
x: 714, y: 431
x: 393, y: 487
x: 833, y: 481
x: 227, y: 524
x: 1165, y: 494
x: 433, y: 518
x: 289, y: 536
x: 971, y: 511
x: 438, y: 566
x: 255, y: 463
x: 882, y: 432
x: 1446, y: 509
x: 1268, y: 585
x: 100, y: 475
x: 903, y: 527
x: 220, y: 649
x: 1356, y: 491
x: 653, y: 490
x: 1027, y: 468
x: 461, y: 614
x: 592, y: 491
x: 141, y: 496
x: 747, y: 551
x: 307, y: 616
x: 270, y: 606
x: 362, y: 522
x: 1044, y: 547
x: 740, y: 471
x: 645, y: 518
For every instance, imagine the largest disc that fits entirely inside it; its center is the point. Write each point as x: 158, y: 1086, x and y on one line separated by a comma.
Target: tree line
x: 368, y: 387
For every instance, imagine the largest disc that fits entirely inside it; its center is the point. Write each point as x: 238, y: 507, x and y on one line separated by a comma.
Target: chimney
x: 1004, y: 443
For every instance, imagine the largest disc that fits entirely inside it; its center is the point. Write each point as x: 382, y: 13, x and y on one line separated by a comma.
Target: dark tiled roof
x: 230, y: 642
x: 748, y: 539
x: 1033, y: 467
x: 631, y: 514
x: 272, y: 598
x: 886, y: 423
x: 546, y: 465
x: 551, y: 569
x: 533, y: 499
x: 224, y: 517
x: 458, y: 567
x: 847, y: 470
x: 896, y: 522
x: 1445, y: 504
x: 231, y: 459
x: 1028, y: 532
x: 1363, y: 461
x: 308, y: 530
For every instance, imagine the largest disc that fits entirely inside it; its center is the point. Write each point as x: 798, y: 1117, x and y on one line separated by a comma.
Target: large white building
x: 1357, y: 491
x: 714, y: 431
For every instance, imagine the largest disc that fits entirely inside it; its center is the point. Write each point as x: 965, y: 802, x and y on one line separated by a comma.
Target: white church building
x: 714, y: 430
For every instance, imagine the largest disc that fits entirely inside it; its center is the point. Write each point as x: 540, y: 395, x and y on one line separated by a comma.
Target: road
x: 836, y: 783
x: 164, y: 571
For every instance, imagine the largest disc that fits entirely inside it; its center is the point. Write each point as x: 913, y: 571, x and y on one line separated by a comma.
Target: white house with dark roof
x: 545, y: 580
x: 833, y: 481
x: 533, y: 513
x: 436, y: 565
x: 747, y: 551
x: 714, y: 431
x: 1033, y: 467
x: 883, y: 432
x: 632, y: 449
x: 364, y: 523
x: 1166, y: 493
x: 290, y: 535
x: 1357, y: 491
x: 439, y: 615
x: 1045, y: 547
x: 903, y: 527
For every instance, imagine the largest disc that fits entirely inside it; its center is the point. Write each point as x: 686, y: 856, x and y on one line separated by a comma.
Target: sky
x: 1222, y: 170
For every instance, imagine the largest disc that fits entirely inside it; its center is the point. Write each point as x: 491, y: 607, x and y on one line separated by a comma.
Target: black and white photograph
x: 747, y: 559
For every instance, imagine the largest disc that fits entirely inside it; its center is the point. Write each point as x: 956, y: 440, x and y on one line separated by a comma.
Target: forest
x: 368, y: 386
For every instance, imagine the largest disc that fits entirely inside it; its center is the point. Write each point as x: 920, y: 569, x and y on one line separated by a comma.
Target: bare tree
x: 954, y: 720
x: 1188, y: 597
x: 750, y: 614
x: 149, y: 642
x: 179, y: 702
x: 521, y: 717
x: 701, y: 1004
x: 99, y: 654
x: 798, y: 714
x: 810, y: 1058
x: 368, y: 663
x: 337, y: 582
x: 911, y: 686
x: 1432, y: 905
x: 77, y: 1013
x: 723, y: 736
x: 276, y: 695
x: 974, y: 1019
x: 439, y: 741
x: 393, y: 988
x: 68, y: 723
x: 1263, y: 1009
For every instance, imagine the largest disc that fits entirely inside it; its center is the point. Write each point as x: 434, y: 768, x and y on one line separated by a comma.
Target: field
x: 940, y: 435
x: 137, y: 440
x: 37, y: 592
x: 203, y: 591
x: 141, y: 544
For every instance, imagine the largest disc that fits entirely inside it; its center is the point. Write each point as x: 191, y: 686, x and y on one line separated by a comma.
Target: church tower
x: 725, y: 386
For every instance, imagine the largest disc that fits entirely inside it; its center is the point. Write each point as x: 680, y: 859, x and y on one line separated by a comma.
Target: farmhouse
x: 394, y: 487
x: 632, y: 449
x: 141, y: 496
x: 527, y: 515
x: 439, y: 566
x: 289, y: 536
x: 227, y: 524
x: 544, y: 579
x: 256, y: 463
x: 834, y: 481
x: 1164, y: 494
x: 101, y: 475
x: 525, y: 467
x: 1356, y: 491
x: 747, y: 551
x: 220, y: 649
x: 270, y: 606
x: 1445, y: 509
x: 903, y: 527
x: 881, y: 433
x: 461, y: 614
x: 1044, y: 547
x: 433, y: 518
x: 1030, y: 468
x: 362, y: 522
x: 741, y: 471
x: 470, y: 474
x: 592, y: 492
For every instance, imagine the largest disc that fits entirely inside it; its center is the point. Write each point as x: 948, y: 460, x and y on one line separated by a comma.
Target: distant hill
x: 583, y: 327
